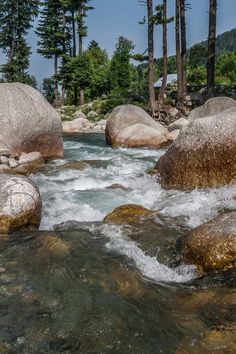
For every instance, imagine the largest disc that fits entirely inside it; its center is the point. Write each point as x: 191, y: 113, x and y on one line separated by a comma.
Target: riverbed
x: 112, y: 289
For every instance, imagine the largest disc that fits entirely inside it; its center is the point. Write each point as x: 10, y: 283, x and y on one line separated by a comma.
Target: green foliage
x: 48, y: 89
x: 197, y: 56
x: 50, y: 29
x: 197, y: 75
x: 120, y: 67
x: 100, y: 66
x: 226, y: 67
x: 15, y: 21
x: 77, y: 72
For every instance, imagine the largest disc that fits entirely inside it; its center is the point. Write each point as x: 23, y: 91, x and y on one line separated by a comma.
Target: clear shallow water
x: 86, y: 287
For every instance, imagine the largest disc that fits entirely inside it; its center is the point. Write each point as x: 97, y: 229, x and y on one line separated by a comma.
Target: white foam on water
x: 87, y: 198
x: 148, y: 266
x: 199, y: 206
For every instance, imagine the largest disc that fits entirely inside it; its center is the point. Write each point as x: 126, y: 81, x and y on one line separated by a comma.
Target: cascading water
x: 82, y: 286
x: 85, y: 196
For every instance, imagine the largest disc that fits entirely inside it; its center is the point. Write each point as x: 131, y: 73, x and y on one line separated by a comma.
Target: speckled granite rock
x: 203, y: 155
x: 20, y: 203
x: 212, y: 245
x: 28, y: 122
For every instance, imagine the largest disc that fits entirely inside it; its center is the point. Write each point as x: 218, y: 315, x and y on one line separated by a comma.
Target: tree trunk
x: 80, y: 32
x: 152, y: 99
x: 183, y: 48
x: 56, y: 92
x: 73, y: 32
x: 165, y: 55
x: 211, y: 48
x: 178, y: 53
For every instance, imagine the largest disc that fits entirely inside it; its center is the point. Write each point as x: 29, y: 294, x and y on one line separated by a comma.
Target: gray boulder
x: 203, y: 155
x: 178, y: 124
x: 28, y: 122
x: 79, y: 114
x: 131, y: 126
x: 20, y: 203
x: 92, y: 115
x: 74, y: 126
x: 211, y: 107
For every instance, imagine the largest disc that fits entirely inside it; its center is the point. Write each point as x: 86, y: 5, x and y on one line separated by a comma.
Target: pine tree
x: 51, y: 32
x: 15, y: 21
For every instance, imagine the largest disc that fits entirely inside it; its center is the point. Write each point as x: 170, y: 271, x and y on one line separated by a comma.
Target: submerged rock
x: 20, y: 203
x: 212, y: 107
x: 131, y: 126
x: 212, y: 245
x: 128, y: 214
x: 54, y: 246
x: 203, y: 155
x: 28, y: 122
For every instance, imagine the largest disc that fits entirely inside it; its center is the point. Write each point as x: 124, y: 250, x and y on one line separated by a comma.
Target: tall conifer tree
x: 51, y: 32
x: 15, y: 21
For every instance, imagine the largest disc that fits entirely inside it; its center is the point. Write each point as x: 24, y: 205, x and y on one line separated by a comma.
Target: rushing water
x: 80, y: 286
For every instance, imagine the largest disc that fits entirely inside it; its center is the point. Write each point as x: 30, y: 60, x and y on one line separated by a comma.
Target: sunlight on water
x: 84, y: 195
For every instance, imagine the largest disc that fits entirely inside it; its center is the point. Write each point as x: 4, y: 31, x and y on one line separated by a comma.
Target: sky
x: 112, y: 18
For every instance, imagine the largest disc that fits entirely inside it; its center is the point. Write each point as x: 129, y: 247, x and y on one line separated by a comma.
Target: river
x: 113, y: 289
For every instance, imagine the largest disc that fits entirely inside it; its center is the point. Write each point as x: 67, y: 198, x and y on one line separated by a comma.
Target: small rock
x: 13, y: 163
x: 92, y: 115
x: 178, y: 124
x: 5, y: 152
x: 102, y: 122
x: 79, y: 114
x: 4, y: 168
x: 173, y: 112
x: 30, y: 157
x: 128, y: 214
x: 173, y: 135
x: 98, y: 128
x: 54, y: 246
x: 4, y: 160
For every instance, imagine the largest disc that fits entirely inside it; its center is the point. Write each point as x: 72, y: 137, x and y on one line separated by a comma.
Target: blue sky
x: 112, y: 18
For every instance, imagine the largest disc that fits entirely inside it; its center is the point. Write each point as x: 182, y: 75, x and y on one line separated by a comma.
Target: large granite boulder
x: 131, y: 126
x: 211, y: 107
x: 28, y: 122
x: 212, y: 245
x: 203, y: 155
x: 20, y: 203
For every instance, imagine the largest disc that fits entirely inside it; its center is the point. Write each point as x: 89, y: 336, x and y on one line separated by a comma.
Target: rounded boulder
x: 20, y: 204
x: 211, y: 107
x: 28, y: 122
x: 212, y: 245
x: 203, y: 155
x: 130, y: 126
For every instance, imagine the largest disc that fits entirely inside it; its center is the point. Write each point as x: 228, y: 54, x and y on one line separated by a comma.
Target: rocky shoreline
x: 202, y: 154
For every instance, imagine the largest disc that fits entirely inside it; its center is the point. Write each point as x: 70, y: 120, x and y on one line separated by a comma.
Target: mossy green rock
x: 128, y: 214
x: 212, y: 245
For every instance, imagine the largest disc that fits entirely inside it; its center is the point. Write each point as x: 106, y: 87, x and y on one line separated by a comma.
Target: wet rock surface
x: 128, y: 214
x: 213, y: 244
x: 203, y: 155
